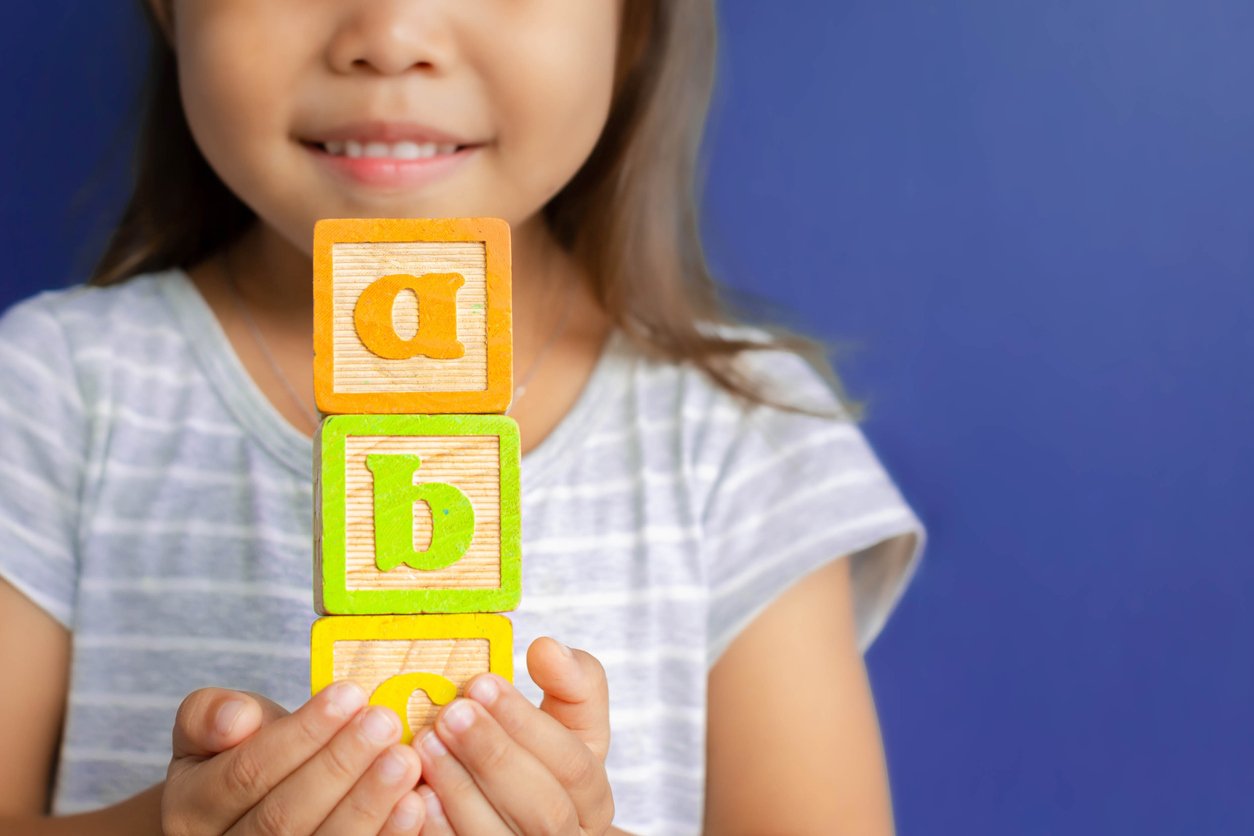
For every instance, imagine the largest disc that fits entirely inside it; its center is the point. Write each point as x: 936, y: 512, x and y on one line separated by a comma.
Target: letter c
x: 395, y: 691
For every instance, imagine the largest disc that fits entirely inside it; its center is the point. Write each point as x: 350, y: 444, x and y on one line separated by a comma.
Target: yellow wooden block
x: 412, y: 316
x: 412, y: 664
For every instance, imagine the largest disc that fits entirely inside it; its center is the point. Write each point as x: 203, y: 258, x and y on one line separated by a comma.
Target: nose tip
x: 368, y: 65
x: 388, y: 39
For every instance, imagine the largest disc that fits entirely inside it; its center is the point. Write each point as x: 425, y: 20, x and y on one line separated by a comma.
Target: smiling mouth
x: 402, y: 150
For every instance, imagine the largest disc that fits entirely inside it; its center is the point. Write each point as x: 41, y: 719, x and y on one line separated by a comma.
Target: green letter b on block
x: 395, y: 494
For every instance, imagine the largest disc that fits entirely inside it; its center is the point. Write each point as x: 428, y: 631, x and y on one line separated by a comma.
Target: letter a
x: 452, y: 516
x: 436, y: 336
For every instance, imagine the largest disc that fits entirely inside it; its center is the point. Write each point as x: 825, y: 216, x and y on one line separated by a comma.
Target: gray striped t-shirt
x: 155, y: 503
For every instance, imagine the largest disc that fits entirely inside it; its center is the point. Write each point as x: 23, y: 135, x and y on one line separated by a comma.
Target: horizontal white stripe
x: 770, y: 562
x: 192, y: 644
x: 82, y: 753
x: 648, y: 714
x: 531, y: 602
x: 651, y: 772
x: 50, y: 379
x: 647, y: 480
x: 778, y: 514
x: 48, y: 548
x: 541, y: 604
x: 608, y: 439
x: 721, y: 415
x: 16, y: 419
x: 211, y: 587
x: 135, y: 328
x: 148, y: 372
x: 104, y: 699
x: 600, y: 542
x: 592, y: 490
x: 208, y: 529
x: 202, y: 476
x: 42, y: 489
x: 178, y: 426
x: 73, y: 806
x: 649, y: 655
x: 779, y: 459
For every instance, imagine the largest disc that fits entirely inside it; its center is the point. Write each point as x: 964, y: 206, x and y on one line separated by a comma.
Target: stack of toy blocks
x: 417, y: 536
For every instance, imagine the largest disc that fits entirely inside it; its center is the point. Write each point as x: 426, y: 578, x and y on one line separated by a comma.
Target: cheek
x: 231, y: 86
x: 556, y: 110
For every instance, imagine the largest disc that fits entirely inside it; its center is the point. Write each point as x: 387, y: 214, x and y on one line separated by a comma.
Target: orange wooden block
x: 412, y: 664
x: 412, y: 316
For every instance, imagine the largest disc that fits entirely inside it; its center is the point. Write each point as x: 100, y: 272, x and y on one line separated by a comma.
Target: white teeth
x: 406, y: 151
x: 403, y: 150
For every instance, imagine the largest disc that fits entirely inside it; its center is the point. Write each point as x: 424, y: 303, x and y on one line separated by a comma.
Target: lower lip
x: 389, y: 172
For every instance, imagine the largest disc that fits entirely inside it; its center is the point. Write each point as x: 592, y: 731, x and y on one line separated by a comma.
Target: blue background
x: 1027, y: 227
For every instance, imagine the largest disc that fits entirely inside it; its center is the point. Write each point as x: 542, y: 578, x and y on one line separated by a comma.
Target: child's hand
x: 497, y: 764
x: 245, y: 765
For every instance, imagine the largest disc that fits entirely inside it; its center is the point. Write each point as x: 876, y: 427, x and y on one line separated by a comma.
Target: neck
x: 545, y: 281
x: 274, y: 277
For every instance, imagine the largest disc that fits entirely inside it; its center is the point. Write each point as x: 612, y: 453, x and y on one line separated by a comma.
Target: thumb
x: 212, y: 720
x: 576, y: 692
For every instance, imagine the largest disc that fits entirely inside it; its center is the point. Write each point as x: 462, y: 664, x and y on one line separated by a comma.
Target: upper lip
x: 381, y: 131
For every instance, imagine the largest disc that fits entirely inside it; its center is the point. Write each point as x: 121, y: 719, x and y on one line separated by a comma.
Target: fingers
x: 209, y: 721
x: 576, y: 693
x: 306, y: 797
x: 213, y: 720
x: 460, y: 803
x: 407, y: 816
x: 565, y: 756
x: 435, y: 823
x: 383, y: 801
x: 217, y: 792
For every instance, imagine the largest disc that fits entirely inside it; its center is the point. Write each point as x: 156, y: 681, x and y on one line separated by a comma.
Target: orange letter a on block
x: 436, y: 336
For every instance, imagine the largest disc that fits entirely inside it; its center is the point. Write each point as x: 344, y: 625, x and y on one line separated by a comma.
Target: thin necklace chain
x: 311, y: 415
x: 521, y: 388
x: 242, y: 307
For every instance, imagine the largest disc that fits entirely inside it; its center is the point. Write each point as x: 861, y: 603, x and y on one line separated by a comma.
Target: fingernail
x: 433, y: 745
x: 459, y: 716
x: 434, y: 809
x: 391, y: 768
x: 405, y: 816
x: 483, y: 690
x: 566, y: 651
x: 227, y: 714
x: 379, y: 724
x: 346, y: 697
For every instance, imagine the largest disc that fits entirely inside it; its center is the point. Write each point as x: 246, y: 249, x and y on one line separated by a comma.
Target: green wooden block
x: 417, y: 514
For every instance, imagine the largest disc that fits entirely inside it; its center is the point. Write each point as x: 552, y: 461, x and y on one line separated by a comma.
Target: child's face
x: 266, y: 84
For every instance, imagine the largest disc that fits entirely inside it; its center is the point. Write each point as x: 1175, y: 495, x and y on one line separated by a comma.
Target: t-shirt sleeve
x: 42, y: 443
x: 792, y: 492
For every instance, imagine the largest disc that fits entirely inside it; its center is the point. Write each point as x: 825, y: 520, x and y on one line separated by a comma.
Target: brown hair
x: 629, y: 215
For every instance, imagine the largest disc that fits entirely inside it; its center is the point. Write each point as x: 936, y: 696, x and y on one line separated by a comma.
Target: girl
x: 699, y: 515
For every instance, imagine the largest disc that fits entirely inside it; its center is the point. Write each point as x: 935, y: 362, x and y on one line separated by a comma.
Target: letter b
x: 452, y: 516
